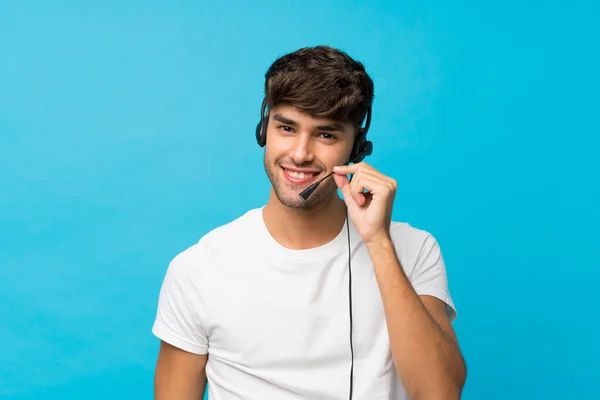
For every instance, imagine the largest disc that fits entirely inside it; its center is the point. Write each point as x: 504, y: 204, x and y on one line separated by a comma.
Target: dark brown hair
x: 321, y: 81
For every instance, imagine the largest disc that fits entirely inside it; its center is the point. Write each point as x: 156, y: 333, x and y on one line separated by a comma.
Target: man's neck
x: 300, y: 229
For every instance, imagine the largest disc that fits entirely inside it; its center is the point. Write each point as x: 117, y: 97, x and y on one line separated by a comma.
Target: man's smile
x: 299, y: 176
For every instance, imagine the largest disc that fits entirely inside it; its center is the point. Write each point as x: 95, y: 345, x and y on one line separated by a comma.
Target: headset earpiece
x: 259, y: 136
x: 261, y: 127
x: 362, y: 147
x: 359, y: 153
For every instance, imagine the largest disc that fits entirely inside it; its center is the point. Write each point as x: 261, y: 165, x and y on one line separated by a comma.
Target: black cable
x: 350, y: 302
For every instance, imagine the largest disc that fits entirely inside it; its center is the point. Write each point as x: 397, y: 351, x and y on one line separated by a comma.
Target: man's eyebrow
x: 284, y: 120
x: 329, y: 127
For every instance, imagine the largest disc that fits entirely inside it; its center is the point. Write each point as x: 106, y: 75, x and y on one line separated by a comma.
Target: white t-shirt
x: 276, y: 321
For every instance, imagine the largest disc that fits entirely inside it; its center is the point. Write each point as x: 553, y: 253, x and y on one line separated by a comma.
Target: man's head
x: 317, y: 100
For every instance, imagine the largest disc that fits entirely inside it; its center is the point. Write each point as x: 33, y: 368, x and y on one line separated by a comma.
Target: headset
x: 361, y: 148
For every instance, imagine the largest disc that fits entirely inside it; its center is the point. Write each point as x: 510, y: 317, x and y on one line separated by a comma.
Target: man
x: 317, y: 297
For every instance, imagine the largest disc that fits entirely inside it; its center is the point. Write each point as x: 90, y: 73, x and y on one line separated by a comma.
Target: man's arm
x: 179, y: 375
x: 424, y: 346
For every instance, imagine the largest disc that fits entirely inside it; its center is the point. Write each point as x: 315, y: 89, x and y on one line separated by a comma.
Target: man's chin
x: 291, y: 201
x: 291, y: 198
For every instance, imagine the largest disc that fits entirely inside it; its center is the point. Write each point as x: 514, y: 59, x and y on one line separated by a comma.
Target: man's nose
x: 303, y: 149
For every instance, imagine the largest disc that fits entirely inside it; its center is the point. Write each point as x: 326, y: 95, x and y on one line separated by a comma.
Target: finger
x: 343, y: 183
x: 376, y: 185
x: 378, y: 177
x: 347, y: 169
x: 365, y: 183
x: 355, y: 168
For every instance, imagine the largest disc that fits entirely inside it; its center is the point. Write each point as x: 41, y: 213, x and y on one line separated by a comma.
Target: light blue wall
x: 126, y: 133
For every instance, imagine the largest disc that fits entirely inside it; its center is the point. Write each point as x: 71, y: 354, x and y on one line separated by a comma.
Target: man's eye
x: 285, y: 128
x: 327, y: 136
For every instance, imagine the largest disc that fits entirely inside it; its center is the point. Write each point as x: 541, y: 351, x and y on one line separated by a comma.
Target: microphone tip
x: 305, y: 194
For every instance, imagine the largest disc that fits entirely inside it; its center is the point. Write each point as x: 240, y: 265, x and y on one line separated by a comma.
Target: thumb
x: 343, y: 183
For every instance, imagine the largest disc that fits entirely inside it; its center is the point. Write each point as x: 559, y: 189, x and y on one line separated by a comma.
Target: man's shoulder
x: 407, y: 235
x: 412, y: 243
x: 223, y: 237
x: 241, y: 226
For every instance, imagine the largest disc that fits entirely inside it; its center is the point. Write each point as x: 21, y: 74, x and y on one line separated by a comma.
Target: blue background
x: 126, y: 133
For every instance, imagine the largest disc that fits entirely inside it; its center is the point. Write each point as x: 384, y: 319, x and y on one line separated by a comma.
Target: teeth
x: 298, y: 175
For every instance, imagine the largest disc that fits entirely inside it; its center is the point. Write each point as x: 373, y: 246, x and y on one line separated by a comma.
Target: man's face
x: 301, y: 150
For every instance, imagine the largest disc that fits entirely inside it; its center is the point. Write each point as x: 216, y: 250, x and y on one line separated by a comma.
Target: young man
x: 317, y: 297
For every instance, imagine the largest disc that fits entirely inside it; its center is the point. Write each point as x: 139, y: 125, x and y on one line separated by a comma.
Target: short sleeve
x: 429, y: 275
x: 180, y: 314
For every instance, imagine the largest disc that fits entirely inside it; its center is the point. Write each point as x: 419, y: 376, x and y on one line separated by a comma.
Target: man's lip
x: 298, y: 181
x: 306, y: 171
